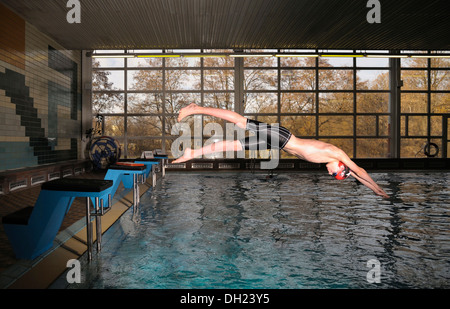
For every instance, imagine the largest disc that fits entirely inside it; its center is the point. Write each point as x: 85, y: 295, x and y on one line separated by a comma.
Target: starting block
x: 31, y: 230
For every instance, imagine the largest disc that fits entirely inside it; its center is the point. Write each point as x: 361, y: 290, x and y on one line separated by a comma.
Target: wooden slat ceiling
x: 241, y: 24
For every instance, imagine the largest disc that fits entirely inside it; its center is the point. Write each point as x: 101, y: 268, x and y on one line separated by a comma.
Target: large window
x: 140, y: 97
x: 425, y: 105
x: 342, y: 100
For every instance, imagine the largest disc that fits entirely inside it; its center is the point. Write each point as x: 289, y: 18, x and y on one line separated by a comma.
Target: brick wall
x: 40, y: 96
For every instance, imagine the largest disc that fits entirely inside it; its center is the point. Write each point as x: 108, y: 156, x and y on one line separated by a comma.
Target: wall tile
x: 40, y: 100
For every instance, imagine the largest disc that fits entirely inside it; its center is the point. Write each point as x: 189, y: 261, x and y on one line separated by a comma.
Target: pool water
x: 290, y: 231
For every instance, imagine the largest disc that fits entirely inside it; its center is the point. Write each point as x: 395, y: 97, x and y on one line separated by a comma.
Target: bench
x: 32, y: 230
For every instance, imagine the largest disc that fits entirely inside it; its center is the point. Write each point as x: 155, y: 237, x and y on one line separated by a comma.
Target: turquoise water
x: 291, y: 231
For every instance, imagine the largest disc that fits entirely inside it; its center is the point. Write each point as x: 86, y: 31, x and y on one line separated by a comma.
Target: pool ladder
x: 99, y: 210
x: 97, y: 213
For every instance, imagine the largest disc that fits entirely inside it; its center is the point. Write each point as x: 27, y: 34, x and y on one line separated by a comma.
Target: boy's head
x: 342, y: 173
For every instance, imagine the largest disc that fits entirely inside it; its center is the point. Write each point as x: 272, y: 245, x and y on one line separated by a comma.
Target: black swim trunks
x: 266, y: 136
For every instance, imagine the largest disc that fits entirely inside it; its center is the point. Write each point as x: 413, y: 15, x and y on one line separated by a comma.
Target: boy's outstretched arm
x: 360, y: 174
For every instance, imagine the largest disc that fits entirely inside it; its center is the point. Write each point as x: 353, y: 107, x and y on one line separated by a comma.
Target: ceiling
x: 241, y: 24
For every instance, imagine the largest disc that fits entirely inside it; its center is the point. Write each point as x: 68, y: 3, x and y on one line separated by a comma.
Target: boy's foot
x: 186, y: 111
x: 188, y: 155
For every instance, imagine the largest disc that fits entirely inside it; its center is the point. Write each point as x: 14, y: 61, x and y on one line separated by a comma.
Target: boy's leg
x: 194, y: 109
x: 212, y: 148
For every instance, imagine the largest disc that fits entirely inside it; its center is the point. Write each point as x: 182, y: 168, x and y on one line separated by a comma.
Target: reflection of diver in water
x: 339, y: 164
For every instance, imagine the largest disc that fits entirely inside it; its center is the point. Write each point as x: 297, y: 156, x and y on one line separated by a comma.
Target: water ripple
x: 243, y: 230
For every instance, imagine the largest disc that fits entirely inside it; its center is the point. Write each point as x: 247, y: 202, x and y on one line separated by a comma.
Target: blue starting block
x: 147, y: 162
x: 155, y: 155
x: 130, y: 175
x: 159, y: 155
x: 150, y: 165
x: 32, y: 230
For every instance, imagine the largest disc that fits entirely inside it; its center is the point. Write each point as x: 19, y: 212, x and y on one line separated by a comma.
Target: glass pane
x: 183, y: 80
x: 372, y: 62
x: 260, y: 61
x: 366, y: 126
x: 224, y: 100
x: 135, y: 147
x: 302, y: 126
x: 414, y: 80
x: 414, y: 103
x: 403, y: 125
x: 109, y: 51
x: 298, y: 80
x: 440, y: 80
x: 182, y: 62
x: 297, y: 62
x: 417, y: 125
x: 372, y: 80
x: 346, y: 144
x: 440, y: 62
x: 148, y: 51
x: 337, y: 102
x: 218, y: 79
x: 335, y: 125
x: 171, y: 123
x: 144, y: 103
x: 448, y: 128
x: 144, y: 80
x: 175, y: 101
x: 144, y: 126
x: 414, y: 62
x: 145, y: 62
x: 436, y: 125
x: 114, y: 126
x: 335, y: 62
x: 185, y: 51
x: 268, y: 119
x: 260, y: 103
x: 218, y: 62
x: 335, y: 79
x: 372, y: 148
x: 440, y: 102
x: 260, y: 79
x: 168, y: 150
x: 412, y: 147
x: 372, y: 102
x: 108, y: 80
x: 108, y: 62
x: 298, y: 102
x: 383, y: 125
x: 105, y: 103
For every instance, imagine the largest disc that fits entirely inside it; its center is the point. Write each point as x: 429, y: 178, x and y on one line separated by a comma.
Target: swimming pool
x: 294, y: 230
